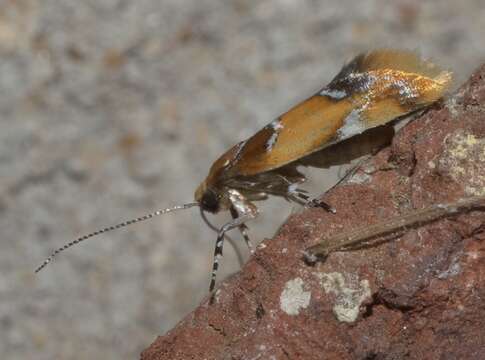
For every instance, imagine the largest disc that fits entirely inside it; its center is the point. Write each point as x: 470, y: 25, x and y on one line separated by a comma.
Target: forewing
x: 371, y: 90
x: 297, y: 133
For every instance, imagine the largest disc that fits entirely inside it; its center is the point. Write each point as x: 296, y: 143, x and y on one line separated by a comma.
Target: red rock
x: 419, y: 296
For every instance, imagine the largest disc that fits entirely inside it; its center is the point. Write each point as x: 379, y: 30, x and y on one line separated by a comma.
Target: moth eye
x: 210, y: 201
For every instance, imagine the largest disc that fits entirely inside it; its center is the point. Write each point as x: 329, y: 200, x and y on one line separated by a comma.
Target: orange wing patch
x: 371, y: 90
x: 298, y: 132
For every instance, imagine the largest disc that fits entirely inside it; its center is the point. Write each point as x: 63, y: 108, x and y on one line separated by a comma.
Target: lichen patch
x: 293, y: 298
x: 464, y: 161
x: 350, y: 294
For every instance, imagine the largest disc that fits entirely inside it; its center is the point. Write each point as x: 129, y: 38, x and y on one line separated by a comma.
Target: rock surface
x: 419, y: 296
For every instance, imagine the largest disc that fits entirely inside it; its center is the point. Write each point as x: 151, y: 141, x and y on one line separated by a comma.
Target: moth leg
x: 239, y: 255
x: 245, y: 211
x: 244, y: 232
x: 299, y: 196
x: 320, y: 203
x: 243, y: 229
x: 351, y: 172
x: 219, y: 246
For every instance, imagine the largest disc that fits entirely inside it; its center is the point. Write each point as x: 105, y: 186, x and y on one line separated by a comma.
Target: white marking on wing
x: 334, y: 94
x: 276, y: 126
x: 352, y: 126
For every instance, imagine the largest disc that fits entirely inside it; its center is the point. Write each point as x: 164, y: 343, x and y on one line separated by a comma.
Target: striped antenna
x: 114, y: 227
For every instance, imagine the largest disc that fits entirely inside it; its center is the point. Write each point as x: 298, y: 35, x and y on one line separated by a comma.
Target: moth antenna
x: 114, y: 227
x: 240, y: 258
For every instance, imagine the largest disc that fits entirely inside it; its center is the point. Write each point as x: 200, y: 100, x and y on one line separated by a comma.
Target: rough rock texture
x: 419, y: 296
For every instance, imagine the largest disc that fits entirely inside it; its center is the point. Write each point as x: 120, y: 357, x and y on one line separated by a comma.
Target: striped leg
x: 321, y: 204
x: 219, y: 246
x: 239, y: 255
x: 244, y: 210
x: 244, y: 231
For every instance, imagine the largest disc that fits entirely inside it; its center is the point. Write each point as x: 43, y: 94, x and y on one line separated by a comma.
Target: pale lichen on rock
x: 350, y: 294
x: 461, y: 148
x: 293, y: 297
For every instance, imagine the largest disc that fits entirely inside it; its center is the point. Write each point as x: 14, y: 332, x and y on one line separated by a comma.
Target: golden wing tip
x: 404, y: 60
x: 444, y: 78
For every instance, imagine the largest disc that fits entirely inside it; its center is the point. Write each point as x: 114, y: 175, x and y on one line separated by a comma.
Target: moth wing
x: 344, y: 152
x: 386, y: 59
x: 371, y: 90
x: 389, y: 83
x: 301, y: 131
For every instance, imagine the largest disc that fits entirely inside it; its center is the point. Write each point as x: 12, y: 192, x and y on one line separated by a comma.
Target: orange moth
x: 350, y: 112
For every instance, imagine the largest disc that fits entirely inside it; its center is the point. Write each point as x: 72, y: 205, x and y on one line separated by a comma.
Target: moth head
x: 209, y: 199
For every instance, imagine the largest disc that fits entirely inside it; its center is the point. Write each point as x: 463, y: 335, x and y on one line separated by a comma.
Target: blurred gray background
x: 113, y: 108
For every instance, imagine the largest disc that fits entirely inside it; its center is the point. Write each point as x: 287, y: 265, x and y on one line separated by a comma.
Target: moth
x: 353, y: 111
